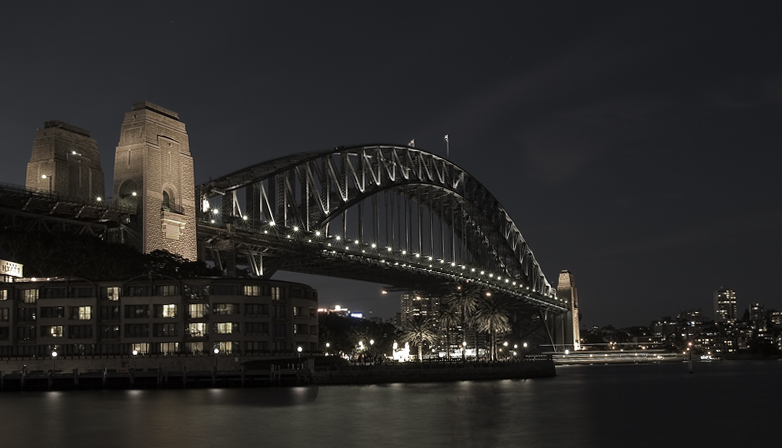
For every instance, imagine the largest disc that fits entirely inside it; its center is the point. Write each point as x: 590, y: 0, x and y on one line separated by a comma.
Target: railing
x: 173, y: 208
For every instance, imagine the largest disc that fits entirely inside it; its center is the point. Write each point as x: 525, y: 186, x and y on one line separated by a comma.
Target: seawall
x: 423, y: 372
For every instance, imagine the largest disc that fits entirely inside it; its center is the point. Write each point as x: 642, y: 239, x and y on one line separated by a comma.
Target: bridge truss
x: 30, y: 209
x: 389, y: 214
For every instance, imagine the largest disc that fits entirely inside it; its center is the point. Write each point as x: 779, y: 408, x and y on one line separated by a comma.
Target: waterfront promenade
x: 193, y: 372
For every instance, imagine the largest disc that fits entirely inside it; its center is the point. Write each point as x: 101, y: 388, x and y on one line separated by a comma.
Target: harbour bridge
x: 394, y: 215
x: 388, y: 214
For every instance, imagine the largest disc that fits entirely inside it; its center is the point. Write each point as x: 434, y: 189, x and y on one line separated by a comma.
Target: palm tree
x: 448, y: 315
x: 492, y: 317
x: 420, y: 329
x: 465, y: 299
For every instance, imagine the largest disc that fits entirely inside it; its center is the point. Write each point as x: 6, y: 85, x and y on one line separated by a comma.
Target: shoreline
x: 33, y: 377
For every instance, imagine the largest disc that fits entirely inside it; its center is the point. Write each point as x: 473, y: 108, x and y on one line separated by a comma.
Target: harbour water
x: 721, y: 404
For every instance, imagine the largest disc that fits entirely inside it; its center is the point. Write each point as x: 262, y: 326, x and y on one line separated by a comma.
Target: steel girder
x: 309, y: 191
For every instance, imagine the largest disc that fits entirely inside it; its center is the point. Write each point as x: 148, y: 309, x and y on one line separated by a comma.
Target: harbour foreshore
x: 190, y: 372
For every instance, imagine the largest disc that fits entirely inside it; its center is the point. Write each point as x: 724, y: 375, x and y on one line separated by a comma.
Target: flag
x: 446, y: 137
x: 412, y: 143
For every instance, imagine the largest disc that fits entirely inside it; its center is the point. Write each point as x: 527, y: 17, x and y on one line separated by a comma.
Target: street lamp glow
x: 299, y: 349
x: 54, y: 354
x: 216, y: 350
x: 135, y: 352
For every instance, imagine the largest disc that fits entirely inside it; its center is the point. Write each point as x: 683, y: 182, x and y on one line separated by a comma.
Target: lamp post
x: 54, y: 361
x: 216, y: 352
x: 135, y: 352
x: 299, y: 349
x: 464, y: 350
x: 48, y: 176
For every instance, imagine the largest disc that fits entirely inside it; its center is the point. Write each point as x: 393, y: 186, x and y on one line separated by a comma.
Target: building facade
x: 725, y: 306
x: 161, y: 316
x: 417, y: 304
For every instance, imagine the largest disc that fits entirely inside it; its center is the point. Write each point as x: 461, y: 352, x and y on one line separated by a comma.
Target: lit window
x: 168, y: 347
x: 82, y: 313
x: 196, y: 329
x: 276, y: 293
x: 30, y: 295
x: 196, y: 310
x: 112, y: 293
x: 224, y: 327
x: 3, y: 294
x: 55, y: 331
x: 166, y: 311
x: 142, y: 348
x: 252, y: 290
x: 225, y: 346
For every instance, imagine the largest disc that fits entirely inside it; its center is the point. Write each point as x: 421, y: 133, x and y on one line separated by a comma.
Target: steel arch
x: 310, y: 191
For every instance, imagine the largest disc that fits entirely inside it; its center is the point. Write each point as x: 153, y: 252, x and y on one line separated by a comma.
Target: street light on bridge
x: 48, y: 176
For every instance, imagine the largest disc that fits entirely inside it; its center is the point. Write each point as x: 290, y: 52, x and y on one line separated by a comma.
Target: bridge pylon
x: 153, y: 173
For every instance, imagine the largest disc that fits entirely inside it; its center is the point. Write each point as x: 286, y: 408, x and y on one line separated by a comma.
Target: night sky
x: 637, y: 146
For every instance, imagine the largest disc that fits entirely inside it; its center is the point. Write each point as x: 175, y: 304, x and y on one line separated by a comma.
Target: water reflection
x: 584, y: 406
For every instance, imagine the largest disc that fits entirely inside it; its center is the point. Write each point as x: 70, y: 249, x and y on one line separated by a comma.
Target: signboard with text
x: 10, y: 268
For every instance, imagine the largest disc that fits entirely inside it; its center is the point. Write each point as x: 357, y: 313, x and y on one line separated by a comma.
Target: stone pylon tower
x: 566, y: 289
x: 66, y: 161
x: 153, y: 172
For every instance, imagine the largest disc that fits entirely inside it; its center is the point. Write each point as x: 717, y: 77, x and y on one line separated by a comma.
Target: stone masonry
x: 153, y: 171
x: 69, y: 159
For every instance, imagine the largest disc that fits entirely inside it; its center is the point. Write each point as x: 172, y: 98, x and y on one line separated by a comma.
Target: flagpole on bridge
x: 447, y: 147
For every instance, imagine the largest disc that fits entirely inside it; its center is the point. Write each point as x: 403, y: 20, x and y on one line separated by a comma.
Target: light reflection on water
x: 630, y: 405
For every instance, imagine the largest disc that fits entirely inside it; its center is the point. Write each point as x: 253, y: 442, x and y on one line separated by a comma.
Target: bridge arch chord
x: 382, y: 197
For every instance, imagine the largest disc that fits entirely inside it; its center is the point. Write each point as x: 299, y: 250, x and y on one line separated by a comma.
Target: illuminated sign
x: 10, y: 268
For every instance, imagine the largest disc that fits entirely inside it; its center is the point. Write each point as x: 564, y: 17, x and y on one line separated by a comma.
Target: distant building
x: 417, y: 304
x: 66, y: 161
x: 776, y: 318
x: 757, y: 318
x: 725, y: 307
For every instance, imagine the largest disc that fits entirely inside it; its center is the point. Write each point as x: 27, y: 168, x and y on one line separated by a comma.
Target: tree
x: 448, y: 316
x: 465, y: 299
x: 491, y: 316
x: 420, y: 329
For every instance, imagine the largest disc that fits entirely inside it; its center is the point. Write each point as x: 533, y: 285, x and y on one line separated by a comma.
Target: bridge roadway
x: 388, y: 214
x: 34, y: 209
